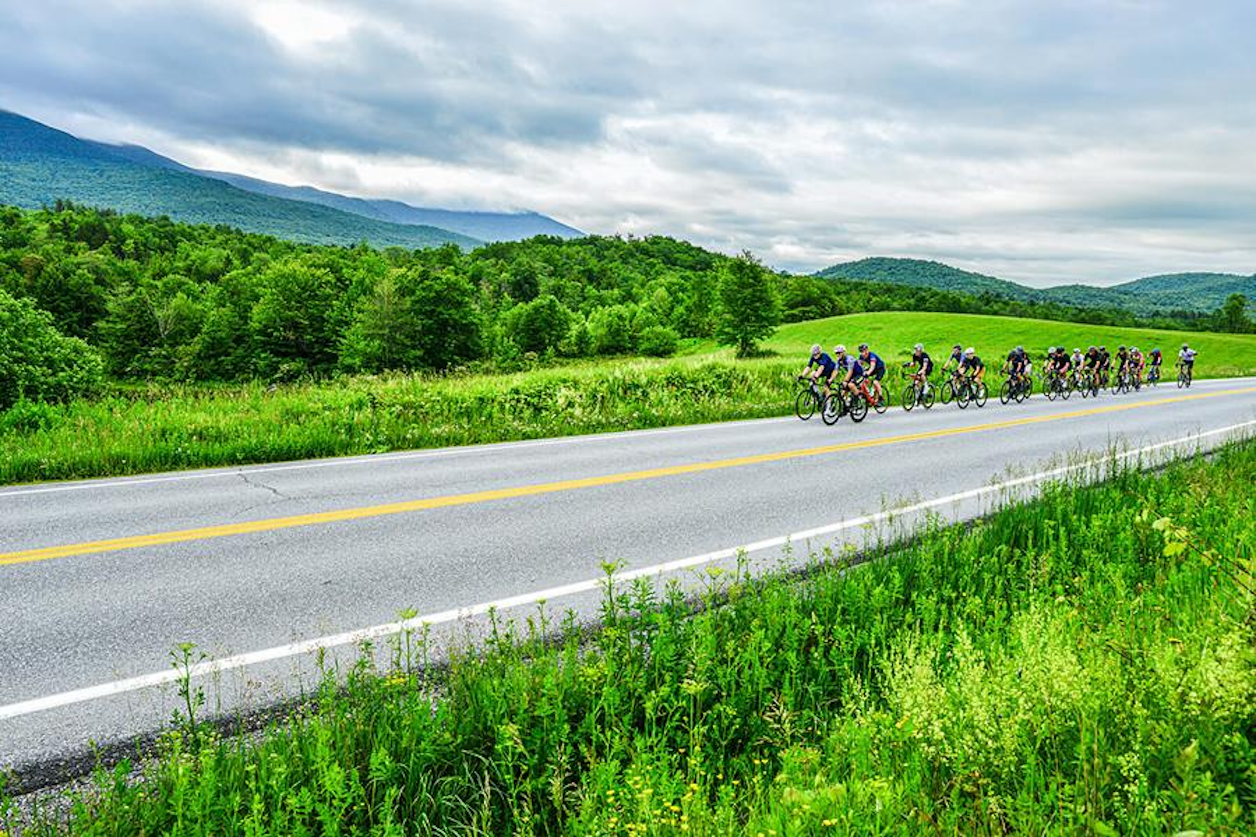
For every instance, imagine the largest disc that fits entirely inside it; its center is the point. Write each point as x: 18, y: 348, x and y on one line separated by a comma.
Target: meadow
x: 1081, y: 664
x: 152, y: 427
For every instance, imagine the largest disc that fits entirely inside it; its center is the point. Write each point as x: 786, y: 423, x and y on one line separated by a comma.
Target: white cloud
x: 1041, y: 142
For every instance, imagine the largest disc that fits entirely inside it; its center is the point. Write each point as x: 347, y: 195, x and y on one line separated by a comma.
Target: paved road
x: 100, y: 579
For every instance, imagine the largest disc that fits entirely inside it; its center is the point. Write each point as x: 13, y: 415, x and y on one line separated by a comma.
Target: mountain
x: 485, y: 226
x: 1193, y: 292
x: 39, y: 165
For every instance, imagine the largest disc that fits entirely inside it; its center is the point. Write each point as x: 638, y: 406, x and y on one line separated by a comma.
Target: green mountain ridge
x: 1166, y: 293
x: 40, y: 165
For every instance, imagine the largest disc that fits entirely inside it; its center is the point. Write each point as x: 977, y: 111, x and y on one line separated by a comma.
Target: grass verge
x: 1082, y: 663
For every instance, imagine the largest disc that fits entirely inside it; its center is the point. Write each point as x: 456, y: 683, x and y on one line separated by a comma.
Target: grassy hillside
x: 1078, y: 665
x: 1193, y: 292
x: 893, y: 334
x: 39, y: 165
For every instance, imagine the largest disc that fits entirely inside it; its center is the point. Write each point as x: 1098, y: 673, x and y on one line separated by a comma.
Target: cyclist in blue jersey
x: 874, y: 368
x: 851, y: 369
x: 820, y: 364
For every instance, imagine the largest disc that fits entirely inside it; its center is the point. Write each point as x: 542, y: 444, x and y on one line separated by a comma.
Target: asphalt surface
x: 101, y: 616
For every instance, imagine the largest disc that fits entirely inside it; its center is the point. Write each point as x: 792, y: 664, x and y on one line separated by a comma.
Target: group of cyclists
x: 861, y: 374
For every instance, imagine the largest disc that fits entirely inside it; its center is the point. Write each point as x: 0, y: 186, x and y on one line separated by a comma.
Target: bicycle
x: 946, y: 392
x: 857, y: 403
x: 1015, y: 388
x: 917, y: 392
x: 1153, y: 375
x: 1055, y: 386
x: 1185, y: 373
x: 809, y: 399
x: 971, y: 390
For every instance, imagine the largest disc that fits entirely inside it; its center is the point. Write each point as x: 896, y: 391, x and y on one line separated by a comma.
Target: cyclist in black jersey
x: 923, y: 365
x: 972, y: 366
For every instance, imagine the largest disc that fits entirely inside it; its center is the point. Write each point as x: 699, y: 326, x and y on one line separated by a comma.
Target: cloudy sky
x: 1043, y: 142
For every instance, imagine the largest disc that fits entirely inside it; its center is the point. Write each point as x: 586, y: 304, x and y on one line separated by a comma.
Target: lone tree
x: 749, y: 308
x: 1232, y: 316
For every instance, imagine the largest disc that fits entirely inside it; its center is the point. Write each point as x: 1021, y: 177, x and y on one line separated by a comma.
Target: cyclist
x: 1136, y: 365
x: 1105, y: 365
x: 874, y: 368
x: 1156, y: 358
x: 852, y: 370
x: 973, y: 367
x: 1186, y: 359
x: 1017, y: 364
x: 1076, y: 361
x: 1090, y: 365
x: 820, y: 364
x: 924, y: 366
x: 1122, y: 360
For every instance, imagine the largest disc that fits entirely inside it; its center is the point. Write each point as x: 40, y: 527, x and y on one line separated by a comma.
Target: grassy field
x: 1083, y: 664
x: 167, y: 427
x: 892, y: 336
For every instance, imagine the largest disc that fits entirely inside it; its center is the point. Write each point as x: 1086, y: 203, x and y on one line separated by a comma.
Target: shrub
x: 39, y: 363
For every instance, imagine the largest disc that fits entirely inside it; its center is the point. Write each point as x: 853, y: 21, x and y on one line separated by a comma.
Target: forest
x: 88, y: 296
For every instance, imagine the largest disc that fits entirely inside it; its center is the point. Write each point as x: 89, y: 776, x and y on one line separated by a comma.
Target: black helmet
x: 1121, y: 348
x: 863, y: 347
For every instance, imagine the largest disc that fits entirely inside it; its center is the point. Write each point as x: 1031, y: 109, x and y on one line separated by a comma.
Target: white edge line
x: 131, y: 684
x: 385, y: 458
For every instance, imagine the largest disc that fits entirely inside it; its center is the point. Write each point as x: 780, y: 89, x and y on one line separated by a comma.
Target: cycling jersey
x: 1156, y: 358
x: 1076, y: 359
x: 923, y: 362
x: 1122, y: 359
x: 825, y: 362
x: 972, y: 363
x: 850, y: 363
x: 874, y: 367
x: 958, y: 357
x: 1187, y: 356
x: 1092, y: 358
x: 1105, y: 360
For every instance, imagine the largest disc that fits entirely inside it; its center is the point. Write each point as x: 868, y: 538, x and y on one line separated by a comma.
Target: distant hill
x: 484, y: 226
x: 39, y: 165
x: 1192, y: 292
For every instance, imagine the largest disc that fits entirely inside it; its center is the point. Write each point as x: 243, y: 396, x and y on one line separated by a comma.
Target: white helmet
x: 840, y: 348
x: 970, y: 351
x: 920, y: 347
x: 815, y: 349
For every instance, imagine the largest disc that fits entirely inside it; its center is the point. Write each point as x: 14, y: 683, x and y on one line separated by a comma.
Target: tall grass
x: 1081, y: 664
x: 172, y: 427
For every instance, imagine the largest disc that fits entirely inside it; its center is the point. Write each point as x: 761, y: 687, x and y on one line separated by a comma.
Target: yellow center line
x: 224, y: 530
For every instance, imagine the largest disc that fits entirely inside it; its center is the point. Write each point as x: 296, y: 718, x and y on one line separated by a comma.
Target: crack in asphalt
x: 261, y: 486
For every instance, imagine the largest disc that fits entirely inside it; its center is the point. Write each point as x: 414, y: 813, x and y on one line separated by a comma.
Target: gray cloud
x: 1053, y: 140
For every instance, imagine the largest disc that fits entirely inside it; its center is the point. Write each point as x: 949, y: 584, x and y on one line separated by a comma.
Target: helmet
x: 1103, y: 348
x: 863, y: 347
x: 1051, y: 350
x: 957, y: 347
x: 1091, y: 349
x: 1156, y: 351
x: 969, y: 351
x: 815, y: 349
x: 920, y: 347
x: 1020, y: 349
x: 840, y: 349
x: 1077, y: 351
x: 1184, y: 346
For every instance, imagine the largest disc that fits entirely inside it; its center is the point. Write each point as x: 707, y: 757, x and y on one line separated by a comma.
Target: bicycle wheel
x: 882, y: 404
x: 927, y: 398
x: 1005, y: 392
x: 1024, y: 390
x: 981, y: 394
x: 1049, y: 389
x: 947, y: 394
x: 909, y: 397
x: 858, y: 408
x: 805, y: 404
x: 831, y: 410
x: 963, y: 395
x: 1066, y: 389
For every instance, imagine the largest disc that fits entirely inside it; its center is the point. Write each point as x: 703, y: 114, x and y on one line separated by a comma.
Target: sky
x: 1043, y: 142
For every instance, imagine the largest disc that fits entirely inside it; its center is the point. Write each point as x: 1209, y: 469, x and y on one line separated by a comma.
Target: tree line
x: 155, y: 299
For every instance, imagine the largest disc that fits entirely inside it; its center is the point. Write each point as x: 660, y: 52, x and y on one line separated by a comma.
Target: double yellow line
x: 340, y: 515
